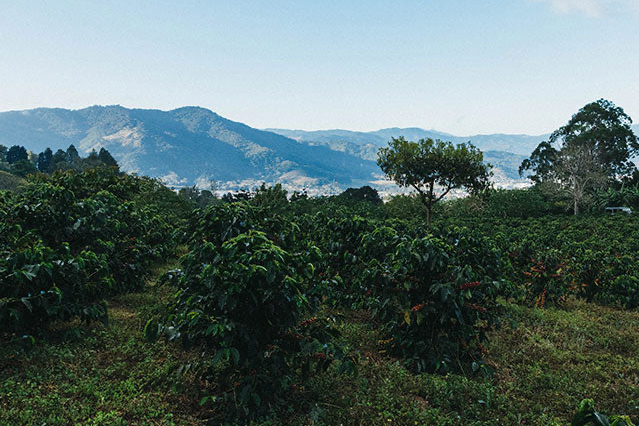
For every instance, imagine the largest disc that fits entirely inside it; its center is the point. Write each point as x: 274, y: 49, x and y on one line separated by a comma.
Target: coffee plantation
x: 329, y: 310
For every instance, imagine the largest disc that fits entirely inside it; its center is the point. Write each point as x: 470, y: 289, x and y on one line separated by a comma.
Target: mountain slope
x: 516, y: 144
x: 504, y: 152
x: 192, y: 145
x: 184, y: 146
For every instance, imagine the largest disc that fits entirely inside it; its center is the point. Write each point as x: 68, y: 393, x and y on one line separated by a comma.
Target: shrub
x: 546, y: 279
x: 244, y: 304
x: 437, y: 312
x: 624, y: 291
x: 66, y: 244
x: 38, y: 285
x: 521, y: 203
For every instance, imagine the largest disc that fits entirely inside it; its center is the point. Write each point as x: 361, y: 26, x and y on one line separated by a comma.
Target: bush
x: 437, y: 312
x: 546, y: 279
x: 521, y: 203
x: 405, y: 207
x: 624, y: 291
x: 340, y: 241
x: 38, y: 285
x: 66, y: 244
x: 244, y: 302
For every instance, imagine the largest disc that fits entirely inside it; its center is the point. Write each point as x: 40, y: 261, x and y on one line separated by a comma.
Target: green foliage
x: 541, y: 162
x: 605, y: 126
x: 437, y: 303
x: 558, y: 256
x: 434, y: 168
x: 586, y: 415
x: 244, y: 302
x: 44, y: 160
x: 545, y: 279
x: 405, y: 207
x: 272, y: 198
x: 9, y: 181
x: 106, y: 158
x: 521, y: 203
x: 198, y: 197
x: 16, y: 153
x: 71, y: 239
x: 594, y: 148
x: 340, y: 238
x: 258, y: 296
x: 23, y: 168
x: 39, y: 285
x: 365, y: 193
x: 626, y: 196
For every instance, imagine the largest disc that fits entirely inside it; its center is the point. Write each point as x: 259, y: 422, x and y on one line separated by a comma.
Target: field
x: 545, y: 366
x: 309, y: 311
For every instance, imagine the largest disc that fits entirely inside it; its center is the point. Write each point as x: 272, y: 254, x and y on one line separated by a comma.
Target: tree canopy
x: 600, y: 126
x: 594, y: 147
x: 16, y: 153
x: 45, y: 159
x: 365, y: 193
x: 434, y: 168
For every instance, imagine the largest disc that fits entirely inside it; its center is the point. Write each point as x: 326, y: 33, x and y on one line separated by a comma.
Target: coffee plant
x: 586, y: 415
x: 72, y: 239
x: 243, y: 302
x: 437, y: 311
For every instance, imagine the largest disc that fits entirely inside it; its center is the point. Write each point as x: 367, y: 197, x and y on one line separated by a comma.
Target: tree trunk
x: 428, y: 214
x: 576, y: 207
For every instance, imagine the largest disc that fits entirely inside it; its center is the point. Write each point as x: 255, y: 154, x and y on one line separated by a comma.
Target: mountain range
x: 193, y: 145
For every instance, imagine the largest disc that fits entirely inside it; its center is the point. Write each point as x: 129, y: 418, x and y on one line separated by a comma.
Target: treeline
x: 20, y: 162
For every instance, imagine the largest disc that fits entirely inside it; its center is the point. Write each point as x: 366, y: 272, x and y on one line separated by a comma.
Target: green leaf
x: 26, y: 303
x: 152, y: 330
x: 235, y: 355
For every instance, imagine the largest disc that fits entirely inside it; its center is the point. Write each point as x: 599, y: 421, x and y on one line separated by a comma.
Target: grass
x: 9, y: 181
x: 97, y: 375
x: 544, y: 366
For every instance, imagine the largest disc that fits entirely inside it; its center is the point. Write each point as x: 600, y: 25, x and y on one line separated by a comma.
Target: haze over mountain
x: 184, y: 146
x: 504, y: 152
x: 192, y: 145
x: 516, y: 144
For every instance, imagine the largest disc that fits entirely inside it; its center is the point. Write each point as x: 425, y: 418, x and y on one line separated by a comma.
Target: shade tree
x: 434, y: 168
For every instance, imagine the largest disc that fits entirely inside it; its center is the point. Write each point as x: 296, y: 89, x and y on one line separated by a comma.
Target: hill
x: 516, y: 144
x: 193, y: 145
x: 184, y: 146
x: 504, y: 152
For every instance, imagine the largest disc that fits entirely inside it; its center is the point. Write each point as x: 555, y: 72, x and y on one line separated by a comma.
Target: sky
x: 459, y: 66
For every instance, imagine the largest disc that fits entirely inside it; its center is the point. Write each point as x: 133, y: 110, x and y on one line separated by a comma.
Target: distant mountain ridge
x: 504, y: 152
x: 516, y: 144
x: 192, y: 145
x: 184, y: 146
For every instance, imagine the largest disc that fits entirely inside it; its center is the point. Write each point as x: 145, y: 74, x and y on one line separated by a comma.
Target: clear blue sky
x: 460, y: 66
